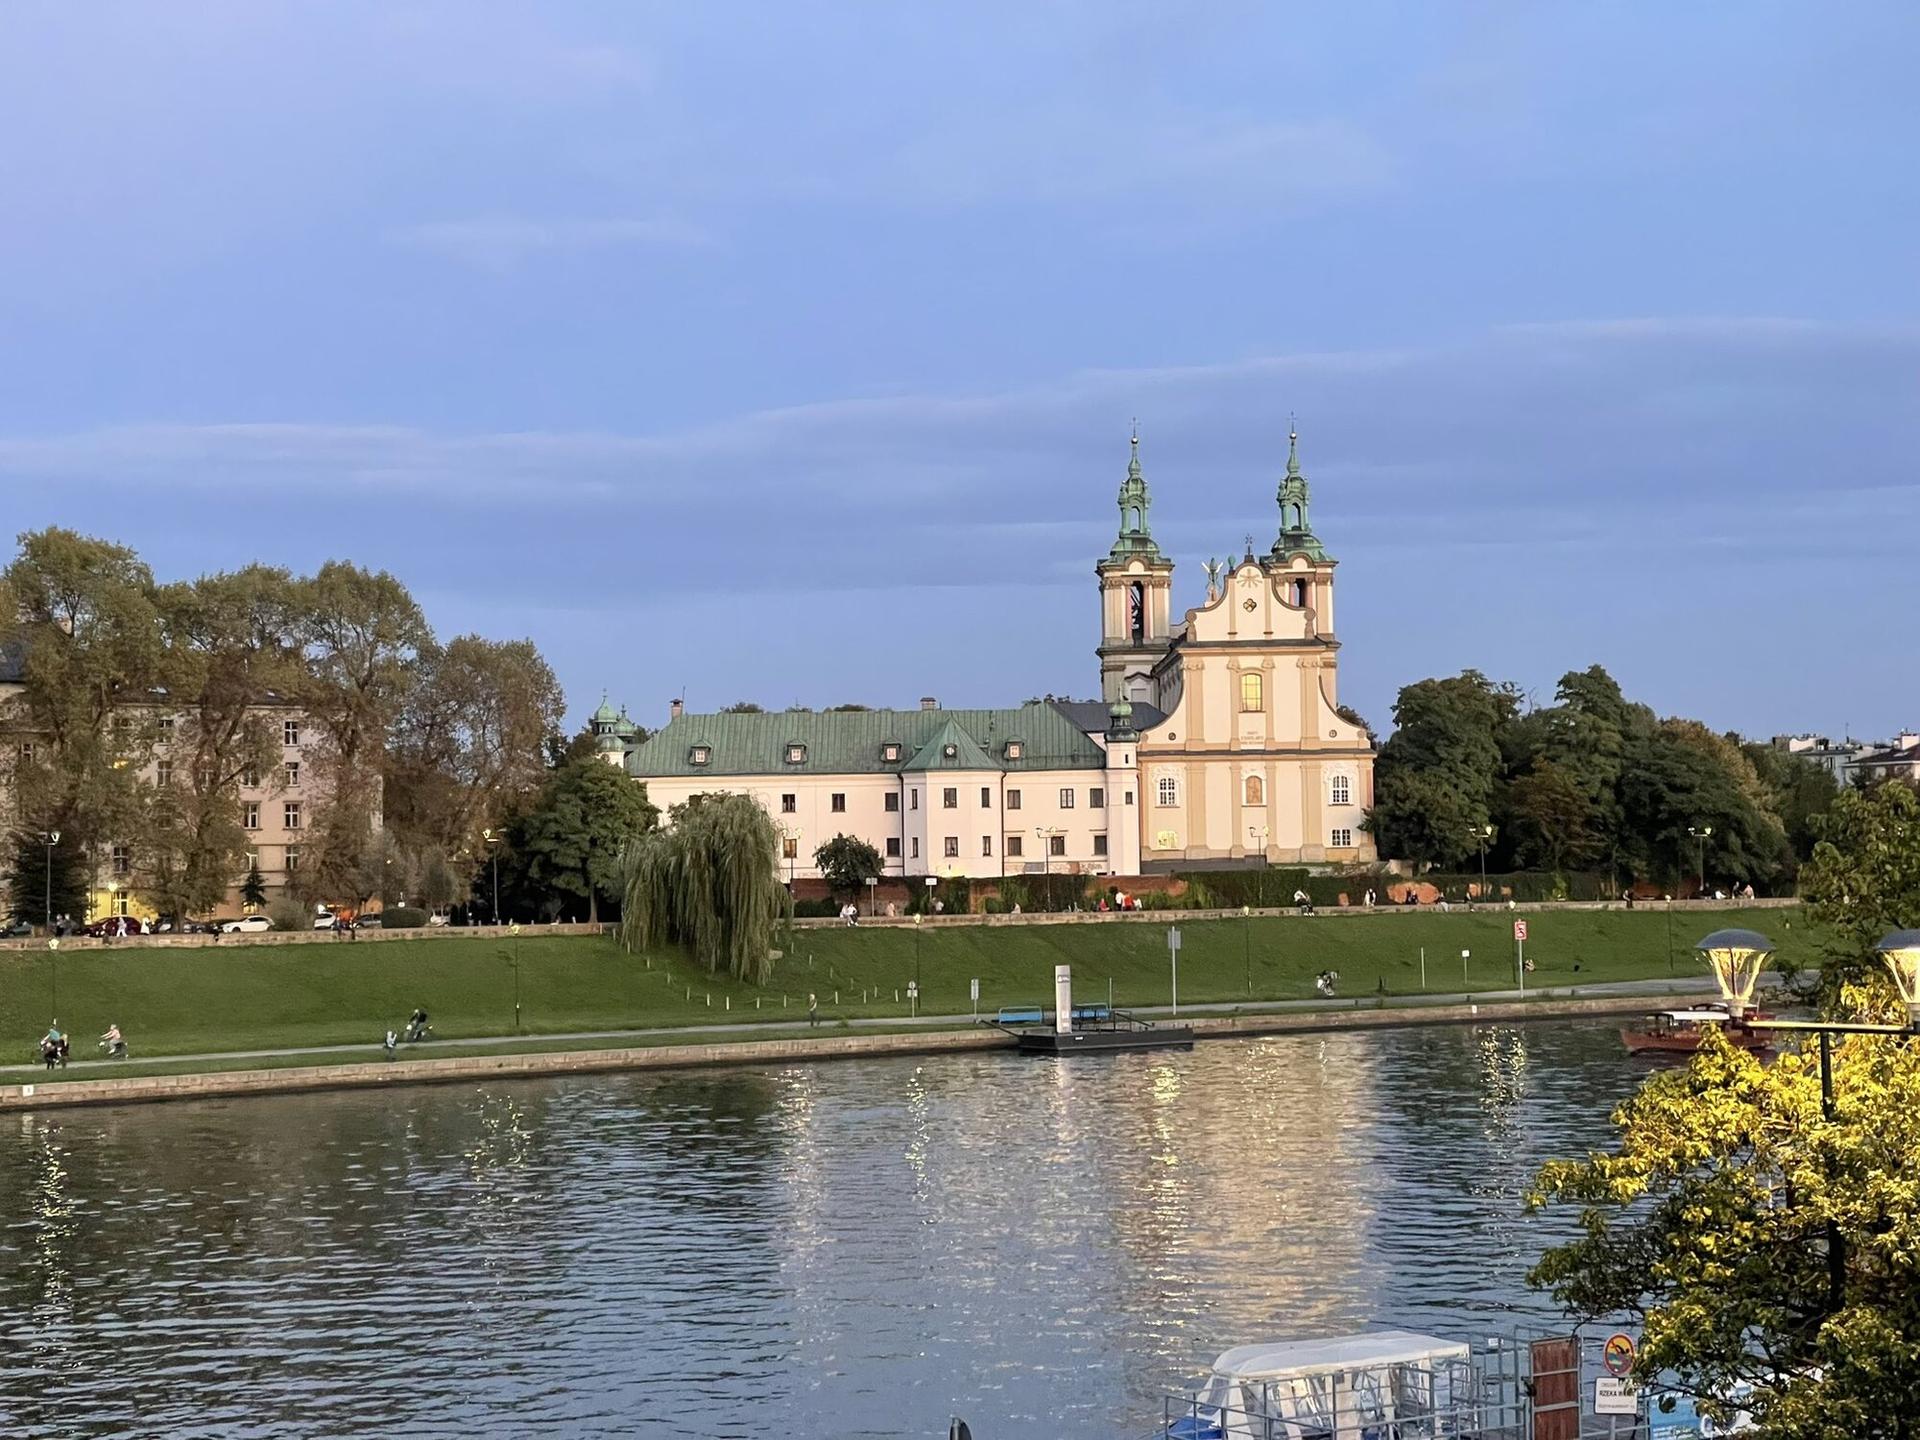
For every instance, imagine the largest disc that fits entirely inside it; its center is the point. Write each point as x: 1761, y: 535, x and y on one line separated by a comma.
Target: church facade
x: 1217, y: 739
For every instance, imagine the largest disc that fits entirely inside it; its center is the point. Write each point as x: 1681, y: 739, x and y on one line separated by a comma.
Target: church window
x: 700, y: 755
x: 1299, y: 588
x: 796, y: 753
x: 789, y: 848
x: 1342, y: 790
x: 986, y: 844
x: 1253, y: 692
x: 1096, y: 799
x: 1137, y: 611
x: 893, y: 803
x: 952, y: 847
x: 950, y: 798
x: 1013, y: 799
x: 1066, y: 798
x: 1169, y: 791
x: 838, y: 803
x: 1014, y: 847
x: 893, y: 847
x: 1342, y: 839
x: 1100, y: 845
x: 1056, y: 844
x: 1256, y: 791
x: 788, y: 804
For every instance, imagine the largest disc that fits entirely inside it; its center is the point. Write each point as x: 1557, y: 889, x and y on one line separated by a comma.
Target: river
x: 848, y: 1249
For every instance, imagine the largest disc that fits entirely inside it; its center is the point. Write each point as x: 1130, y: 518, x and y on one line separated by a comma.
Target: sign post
x: 913, y: 999
x: 976, y: 997
x: 1464, y: 956
x: 1520, y: 954
x: 1063, y: 999
x: 1613, y: 1392
x: 1173, y: 958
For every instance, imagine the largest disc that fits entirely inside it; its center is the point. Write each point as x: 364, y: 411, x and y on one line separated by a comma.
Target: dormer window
x: 796, y: 753
x: 890, y: 751
x: 950, y: 751
x: 1014, y: 749
x: 699, y: 755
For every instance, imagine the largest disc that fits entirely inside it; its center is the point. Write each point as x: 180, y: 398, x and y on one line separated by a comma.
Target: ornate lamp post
x: 1901, y: 953
x: 493, y: 852
x: 1483, y: 836
x: 1045, y: 834
x: 52, y: 838
x: 1700, y: 838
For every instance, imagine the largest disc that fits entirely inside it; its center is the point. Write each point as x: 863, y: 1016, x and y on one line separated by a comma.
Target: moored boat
x: 1678, y: 1032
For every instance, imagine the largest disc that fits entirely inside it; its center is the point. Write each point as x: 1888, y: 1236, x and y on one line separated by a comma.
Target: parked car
x: 15, y: 930
x: 100, y: 929
x: 245, y: 925
x: 323, y: 921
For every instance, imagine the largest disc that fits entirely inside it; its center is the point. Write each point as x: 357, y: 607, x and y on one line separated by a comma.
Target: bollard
x: 756, y: 1002
x: 729, y: 1002
x: 709, y: 999
x: 689, y: 993
x: 836, y: 997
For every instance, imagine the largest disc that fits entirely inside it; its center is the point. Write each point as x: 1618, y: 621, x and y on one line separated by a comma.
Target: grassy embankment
x: 238, y: 997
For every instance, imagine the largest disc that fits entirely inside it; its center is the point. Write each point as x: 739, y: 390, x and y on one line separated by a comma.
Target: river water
x: 847, y: 1249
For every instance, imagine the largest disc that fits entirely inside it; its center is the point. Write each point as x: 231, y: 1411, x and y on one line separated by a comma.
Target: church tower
x: 1298, y: 562
x: 1136, y: 596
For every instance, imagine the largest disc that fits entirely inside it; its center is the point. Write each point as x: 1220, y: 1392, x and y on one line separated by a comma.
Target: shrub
x: 402, y: 917
x: 289, y: 915
x: 816, y: 909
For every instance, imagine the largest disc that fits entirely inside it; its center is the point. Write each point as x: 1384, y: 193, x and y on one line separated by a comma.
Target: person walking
x: 813, y: 1008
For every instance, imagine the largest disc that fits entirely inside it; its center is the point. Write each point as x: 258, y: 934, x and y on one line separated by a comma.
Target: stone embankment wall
x: 370, y: 935
x: 1361, y: 1015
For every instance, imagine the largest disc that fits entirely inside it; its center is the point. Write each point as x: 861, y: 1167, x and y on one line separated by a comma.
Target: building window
x: 949, y: 799
x: 1066, y: 797
x: 27, y: 752
x: 1253, y: 692
x: 120, y: 903
x: 838, y: 804
x: 951, y: 751
x: 122, y: 860
x: 914, y: 850
x: 890, y: 751
x: 1097, y: 799
x: 893, y: 847
x: 893, y: 802
x: 289, y: 732
x: 1056, y: 845
x: 1342, y: 790
x: 164, y: 727
x: 1013, y: 847
x: 1342, y: 839
x: 253, y: 860
x: 249, y: 777
x: 1013, y: 799
x: 913, y: 799
x: 788, y: 804
x: 986, y: 844
x: 1255, y: 791
x: 1014, y: 749
x: 796, y: 754
x: 986, y: 797
x: 699, y: 755
x: 250, y: 815
x: 163, y: 773
x: 1129, y: 797
x: 293, y: 858
x: 1100, y: 845
x: 789, y: 848
x: 951, y: 847
x: 290, y: 814
x: 1168, y: 791
x: 293, y: 774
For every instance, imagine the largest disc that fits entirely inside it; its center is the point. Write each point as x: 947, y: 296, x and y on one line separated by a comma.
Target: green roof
x: 855, y: 742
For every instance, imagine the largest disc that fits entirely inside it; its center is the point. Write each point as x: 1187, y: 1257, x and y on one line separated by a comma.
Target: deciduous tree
x: 847, y: 863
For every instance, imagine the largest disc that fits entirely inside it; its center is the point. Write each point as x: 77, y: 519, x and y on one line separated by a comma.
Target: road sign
x: 1519, y: 929
x: 1614, y: 1396
x: 1173, y: 960
x: 1173, y: 937
x: 976, y: 990
x: 913, y: 989
x: 1617, y: 1355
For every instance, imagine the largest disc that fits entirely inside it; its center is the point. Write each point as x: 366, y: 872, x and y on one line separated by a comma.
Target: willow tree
x: 709, y: 881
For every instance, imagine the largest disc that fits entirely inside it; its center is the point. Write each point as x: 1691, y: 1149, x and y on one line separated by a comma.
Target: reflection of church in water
x: 1217, y: 737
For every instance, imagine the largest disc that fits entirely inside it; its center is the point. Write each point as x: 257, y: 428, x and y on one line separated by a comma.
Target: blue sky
x: 789, y: 351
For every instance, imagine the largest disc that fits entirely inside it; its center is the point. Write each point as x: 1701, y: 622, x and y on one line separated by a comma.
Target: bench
x: 1021, y: 1016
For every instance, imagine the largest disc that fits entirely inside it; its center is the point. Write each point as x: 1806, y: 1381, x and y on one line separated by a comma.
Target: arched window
x: 1252, y: 692
x: 1256, y: 791
x: 1133, y: 517
x: 1137, y: 611
x: 1342, y: 790
x: 1299, y: 588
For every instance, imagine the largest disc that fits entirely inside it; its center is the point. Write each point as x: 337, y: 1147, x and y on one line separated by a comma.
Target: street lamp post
x: 1045, y: 834
x: 493, y: 852
x: 52, y: 837
x: 1246, y: 914
x: 1483, y: 834
x: 1700, y: 849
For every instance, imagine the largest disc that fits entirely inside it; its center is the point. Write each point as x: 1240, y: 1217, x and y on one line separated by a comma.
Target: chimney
x: 927, y: 702
x: 674, y: 709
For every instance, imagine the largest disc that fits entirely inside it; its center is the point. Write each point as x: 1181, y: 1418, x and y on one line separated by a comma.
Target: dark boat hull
x: 1087, y: 1042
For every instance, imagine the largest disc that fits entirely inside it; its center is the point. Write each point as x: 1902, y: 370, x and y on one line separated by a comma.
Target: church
x: 1217, y: 740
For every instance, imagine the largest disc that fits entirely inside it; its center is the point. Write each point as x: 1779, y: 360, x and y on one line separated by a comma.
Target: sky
x: 789, y: 352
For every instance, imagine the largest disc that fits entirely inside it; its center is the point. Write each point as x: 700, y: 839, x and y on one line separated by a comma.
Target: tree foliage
x: 569, y: 844
x: 1437, y: 775
x: 1864, y: 878
x: 847, y: 863
x: 708, y: 881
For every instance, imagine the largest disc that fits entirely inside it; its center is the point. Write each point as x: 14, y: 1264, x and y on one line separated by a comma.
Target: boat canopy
x: 1336, y: 1355
x: 1695, y: 1017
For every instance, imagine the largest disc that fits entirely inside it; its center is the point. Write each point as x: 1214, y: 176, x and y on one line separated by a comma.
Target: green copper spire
x: 1296, y: 529
x: 1134, y: 538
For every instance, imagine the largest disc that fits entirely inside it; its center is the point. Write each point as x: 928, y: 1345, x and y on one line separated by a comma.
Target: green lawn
x: 236, y: 997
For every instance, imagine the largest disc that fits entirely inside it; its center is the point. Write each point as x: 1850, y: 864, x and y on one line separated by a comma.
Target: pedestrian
x: 813, y: 1008
x: 392, y: 1041
x: 1369, y: 897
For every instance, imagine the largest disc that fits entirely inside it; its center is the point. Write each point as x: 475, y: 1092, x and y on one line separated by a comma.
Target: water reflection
x: 850, y: 1249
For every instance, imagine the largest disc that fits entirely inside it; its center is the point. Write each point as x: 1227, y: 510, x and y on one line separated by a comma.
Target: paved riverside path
x: 1678, y: 985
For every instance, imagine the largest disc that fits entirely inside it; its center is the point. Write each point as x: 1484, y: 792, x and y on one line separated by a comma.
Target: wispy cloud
x: 501, y: 242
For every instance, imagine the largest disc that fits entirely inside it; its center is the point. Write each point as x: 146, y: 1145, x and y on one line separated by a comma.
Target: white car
x: 323, y: 921
x: 246, y: 924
